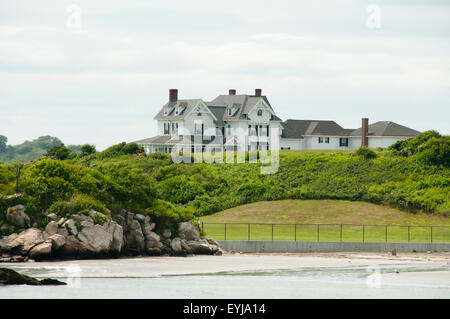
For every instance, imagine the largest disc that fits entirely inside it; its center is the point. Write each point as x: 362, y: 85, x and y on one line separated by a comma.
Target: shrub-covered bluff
x: 122, y: 178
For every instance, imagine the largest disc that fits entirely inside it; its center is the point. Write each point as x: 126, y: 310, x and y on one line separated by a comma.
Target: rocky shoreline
x: 95, y: 235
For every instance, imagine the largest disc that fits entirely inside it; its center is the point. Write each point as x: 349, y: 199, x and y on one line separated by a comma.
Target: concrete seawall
x: 306, y: 246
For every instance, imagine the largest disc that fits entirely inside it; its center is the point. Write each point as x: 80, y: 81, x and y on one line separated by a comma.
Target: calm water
x: 360, y: 281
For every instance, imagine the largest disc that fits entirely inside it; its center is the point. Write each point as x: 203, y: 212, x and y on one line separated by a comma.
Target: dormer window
x: 230, y: 112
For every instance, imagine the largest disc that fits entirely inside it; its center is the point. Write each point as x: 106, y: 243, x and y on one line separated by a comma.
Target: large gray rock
x: 175, y: 244
x: 134, y: 238
x: 16, y: 216
x: 63, y: 232
x: 70, y: 226
x: 97, y: 238
x: 188, y: 232
x: 51, y: 228
x: 57, y: 241
x: 166, y: 233
x: 40, y: 251
x: 52, y: 216
x: 139, y: 217
x: 152, y: 240
x: 27, y: 240
x: 74, y: 248
x: 117, y: 243
x: 200, y: 248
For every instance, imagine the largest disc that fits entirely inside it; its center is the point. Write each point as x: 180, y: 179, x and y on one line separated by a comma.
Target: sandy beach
x: 247, y: 275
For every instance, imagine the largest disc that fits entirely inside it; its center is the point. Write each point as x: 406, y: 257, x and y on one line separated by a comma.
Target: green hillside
x: 28, y: 150
x: 413, y: 176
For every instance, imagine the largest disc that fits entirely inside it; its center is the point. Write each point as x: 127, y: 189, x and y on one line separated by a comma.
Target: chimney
x: 258, y: 92
x: 173, y: 95
x: 365, y: 132
x: 231, y: 92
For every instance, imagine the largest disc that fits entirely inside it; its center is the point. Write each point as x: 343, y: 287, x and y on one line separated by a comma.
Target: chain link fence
x: 327, y: 232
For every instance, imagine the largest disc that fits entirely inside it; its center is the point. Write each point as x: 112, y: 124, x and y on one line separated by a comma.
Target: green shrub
x: 78, y: 204
x: 167, y: 215
x: 366, y: 152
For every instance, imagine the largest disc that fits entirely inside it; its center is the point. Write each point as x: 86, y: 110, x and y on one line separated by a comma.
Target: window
x: 228, y: 130
x: 198, y: 129
x: 343, y: 141
x: 230, y: 112
x: 259, y: 112
x: 320, y: 139
x: 327, y: 140
x: 166, y: 128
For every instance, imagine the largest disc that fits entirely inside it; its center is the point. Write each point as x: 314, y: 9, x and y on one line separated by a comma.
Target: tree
x: 59, y: 152
x: 87, y: 149
x: 3, y: 141
x: 435, y: 151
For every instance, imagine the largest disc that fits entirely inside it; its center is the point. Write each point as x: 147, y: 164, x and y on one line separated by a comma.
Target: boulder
x: 52, y: 216
x: 63, y: 232
x: 11, y: 277
x: 147, y: 227
x: 26, y: 240
x: 200, y: 248
x: 97, y: 238
x: 62, y: 221
x: 166, y: 233
x: 135, y: 242
x: 175, y: 244
x: 74, y: 248
x: 70, y: 226
x: 139, y: 217
x: 152, y: 240
x: 57, y: 241
x: 117, y: 243
x: 82, y: 218
x: 51, y: 228
x: 41, y: 251
x: 16, y: 216
x: 188, y: 232
x: 212, y: 242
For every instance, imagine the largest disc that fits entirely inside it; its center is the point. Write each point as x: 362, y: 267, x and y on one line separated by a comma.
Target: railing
x: 327, y: 232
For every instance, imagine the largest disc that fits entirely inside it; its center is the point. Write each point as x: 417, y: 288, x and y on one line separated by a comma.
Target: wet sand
x: 229, y: 262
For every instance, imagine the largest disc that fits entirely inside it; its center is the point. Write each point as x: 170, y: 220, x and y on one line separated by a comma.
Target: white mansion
x: 248, y: 122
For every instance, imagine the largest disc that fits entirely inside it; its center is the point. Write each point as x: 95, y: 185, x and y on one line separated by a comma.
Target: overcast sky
x: 103, y: 80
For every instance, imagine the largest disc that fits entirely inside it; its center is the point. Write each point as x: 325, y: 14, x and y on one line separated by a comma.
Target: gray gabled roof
x: 298, y: 128
x: 187, y: 105
x: 242, y: 103
x: 218, y: 112
x: 387, y: 128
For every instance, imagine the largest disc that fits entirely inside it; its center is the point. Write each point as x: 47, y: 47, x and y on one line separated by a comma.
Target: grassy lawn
x: 298, y: 219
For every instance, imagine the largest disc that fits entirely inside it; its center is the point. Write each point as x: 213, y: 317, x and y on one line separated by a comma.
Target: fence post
x: 318, y: 231
x: 248, y: 231
x: 295, y: 232
x: 363, y: 233
x: 225, y: 231
x: 385, y: 227
x: 272, y: 232
x: 341, y: 233
x: 431, y: 233
x: 409, y: 239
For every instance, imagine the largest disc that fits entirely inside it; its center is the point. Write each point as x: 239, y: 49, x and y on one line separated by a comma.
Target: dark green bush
x: 366, y: 152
